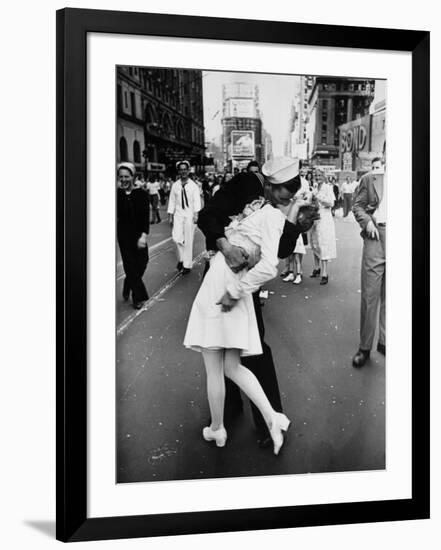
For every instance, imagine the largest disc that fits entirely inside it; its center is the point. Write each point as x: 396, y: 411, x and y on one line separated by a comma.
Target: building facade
x: 267, y: 146
x: 306, y: 85
x: 364, y: 138
x: 333, y: 102
x: 242, y: 131
x: 159, y: 118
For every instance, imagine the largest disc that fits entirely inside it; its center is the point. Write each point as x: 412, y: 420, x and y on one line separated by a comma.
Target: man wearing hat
x: 183, y: 207
x: 132, y: 228
x: 231, y: 200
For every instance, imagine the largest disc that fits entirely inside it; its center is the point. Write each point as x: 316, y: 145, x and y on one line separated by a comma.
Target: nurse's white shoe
x: 220, y: 436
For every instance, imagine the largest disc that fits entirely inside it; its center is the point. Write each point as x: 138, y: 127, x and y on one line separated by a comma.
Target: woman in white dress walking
x: 222, y: 323
x: 323, y: 242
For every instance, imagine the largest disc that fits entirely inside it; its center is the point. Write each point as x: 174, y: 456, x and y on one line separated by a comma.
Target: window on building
x: 126, y: 101
x: 119, y: 97
x: 136, y: 151
x: 130, y: 71
x: 123, y: 151
x: 132, y: 103
x: 150, y: 115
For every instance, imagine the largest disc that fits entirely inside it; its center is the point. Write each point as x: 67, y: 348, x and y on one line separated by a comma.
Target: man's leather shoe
x: 138, y: 305
x: 185, y: 271
x: 179, y: 266
x: 381, y: 348
x: 360, y: 357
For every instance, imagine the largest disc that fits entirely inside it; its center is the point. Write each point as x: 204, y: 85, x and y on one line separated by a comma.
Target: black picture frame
x: 72, y: 28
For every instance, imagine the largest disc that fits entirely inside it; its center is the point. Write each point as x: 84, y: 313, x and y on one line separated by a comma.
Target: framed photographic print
x: 224, y: 191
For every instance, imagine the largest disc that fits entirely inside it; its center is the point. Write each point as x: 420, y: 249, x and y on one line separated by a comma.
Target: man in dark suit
x: 370, y: 212
x: 230, y: 200
x: 132, y: 228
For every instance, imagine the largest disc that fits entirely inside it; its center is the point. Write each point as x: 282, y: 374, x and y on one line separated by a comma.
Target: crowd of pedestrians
x: 185, y: 197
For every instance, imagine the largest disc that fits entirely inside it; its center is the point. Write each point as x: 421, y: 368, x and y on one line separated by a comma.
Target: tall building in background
x: 378, y: 112
x: 364, y: 137
x: 215, y: 153
x: 267, y: 145
x: 242, y: 132
x: 333, y: 102
x: 293, y: 138
x: 159, y: 118
x: 296, y: 143
x: 306, y: 85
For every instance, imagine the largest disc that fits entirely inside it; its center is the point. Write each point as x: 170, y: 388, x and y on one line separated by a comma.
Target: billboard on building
x: 156, y: 167
x: 362, y: 140
x: 355, y: 135
x: 243, y: 108
x: 242, y: 143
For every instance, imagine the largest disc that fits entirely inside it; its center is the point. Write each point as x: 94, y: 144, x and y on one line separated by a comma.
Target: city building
x: 293, y: 131
x: 333, y: 102
x: 305, y: 88
x: 159, y: 118
x: 364, y: 138
x: 378, y: 113
x: 214, y: 154
x: 267, y: 146
x: 296, y: 143
x: 242, y: 131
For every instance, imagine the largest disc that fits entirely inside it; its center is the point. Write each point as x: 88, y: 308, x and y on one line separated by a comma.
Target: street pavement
x: 337, y: 411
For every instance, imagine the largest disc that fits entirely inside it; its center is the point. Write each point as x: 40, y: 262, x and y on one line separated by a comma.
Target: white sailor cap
x: 280, y: 170
x: 182, y: 162
x: 128, y: 165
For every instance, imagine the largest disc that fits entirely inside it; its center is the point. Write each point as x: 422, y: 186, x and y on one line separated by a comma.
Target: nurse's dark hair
x: 292, y: 185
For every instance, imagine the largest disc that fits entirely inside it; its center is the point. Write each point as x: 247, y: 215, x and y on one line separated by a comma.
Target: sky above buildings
x: 276, y: 95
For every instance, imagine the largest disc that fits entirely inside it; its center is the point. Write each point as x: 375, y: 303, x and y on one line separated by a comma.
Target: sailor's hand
x: 227, y: 302
x: 236, y: 257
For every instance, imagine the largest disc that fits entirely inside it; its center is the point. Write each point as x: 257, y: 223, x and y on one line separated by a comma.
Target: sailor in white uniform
x: 183, y: 207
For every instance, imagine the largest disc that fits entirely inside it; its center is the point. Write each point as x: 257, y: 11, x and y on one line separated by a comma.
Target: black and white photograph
x: 201, y: 217
x: 250, y: 270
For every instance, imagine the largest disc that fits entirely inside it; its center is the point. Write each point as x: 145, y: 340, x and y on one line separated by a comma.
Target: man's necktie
x: 184, y: 199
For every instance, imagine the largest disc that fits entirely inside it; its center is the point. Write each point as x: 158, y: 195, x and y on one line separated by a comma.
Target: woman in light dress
x: 322, y: 235
x: 222, y: 323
